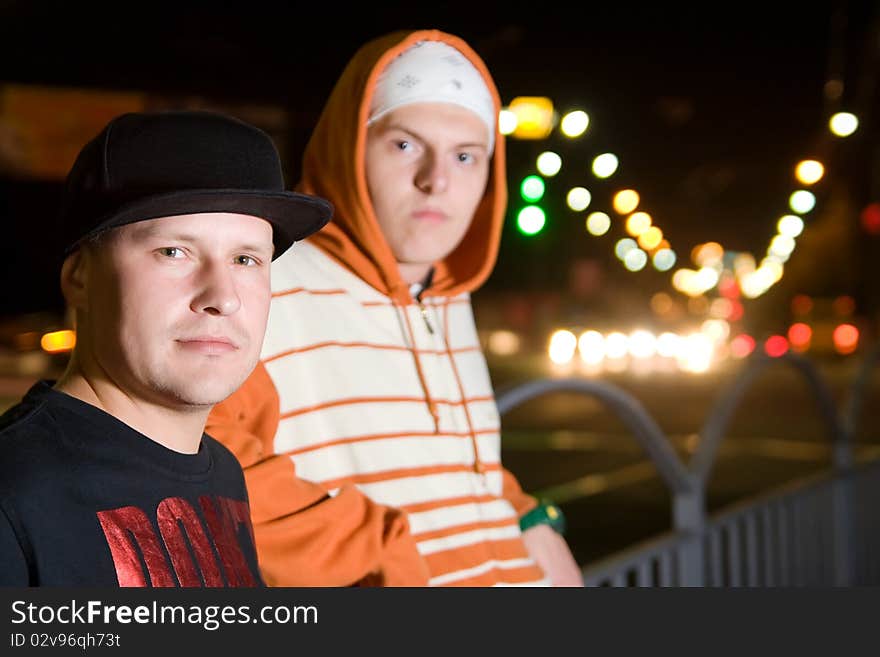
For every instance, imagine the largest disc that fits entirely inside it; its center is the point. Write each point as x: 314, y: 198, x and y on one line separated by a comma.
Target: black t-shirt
x: 85, y: 500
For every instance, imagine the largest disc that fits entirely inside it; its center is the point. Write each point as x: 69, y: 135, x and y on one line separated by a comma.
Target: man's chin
x: 198, y: 393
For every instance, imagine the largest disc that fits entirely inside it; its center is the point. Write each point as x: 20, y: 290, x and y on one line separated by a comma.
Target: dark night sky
x: 707, y: 107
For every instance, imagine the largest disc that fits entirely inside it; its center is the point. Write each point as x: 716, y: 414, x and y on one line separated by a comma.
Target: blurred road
x: 572, y: 449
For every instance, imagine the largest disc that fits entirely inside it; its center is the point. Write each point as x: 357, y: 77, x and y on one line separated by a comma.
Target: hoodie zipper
x: 425, y: 317
x: 417, y: 297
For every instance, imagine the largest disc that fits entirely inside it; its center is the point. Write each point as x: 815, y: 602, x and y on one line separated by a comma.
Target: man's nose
x: 217, y: 293
x: 432, y: 176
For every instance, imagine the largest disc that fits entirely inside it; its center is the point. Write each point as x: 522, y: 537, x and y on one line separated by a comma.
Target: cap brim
x: 293, y: 216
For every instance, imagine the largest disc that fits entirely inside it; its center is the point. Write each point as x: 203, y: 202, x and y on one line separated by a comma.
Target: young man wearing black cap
x: 170, y: 223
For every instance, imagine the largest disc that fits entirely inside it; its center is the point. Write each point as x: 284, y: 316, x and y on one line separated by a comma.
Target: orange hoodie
x: 366, y: 390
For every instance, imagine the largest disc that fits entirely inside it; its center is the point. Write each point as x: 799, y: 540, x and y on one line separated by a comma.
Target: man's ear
x: 74, y: 279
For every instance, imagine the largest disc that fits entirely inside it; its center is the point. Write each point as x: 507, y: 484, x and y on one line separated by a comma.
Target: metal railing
x: 817, y: 531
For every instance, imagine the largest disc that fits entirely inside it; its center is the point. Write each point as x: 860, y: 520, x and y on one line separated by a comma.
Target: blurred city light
x: 650, y: 239
x: 846, y: 339
x: 809, y: 172
x: 742, y: 345
x: 668, y: 344
x: 781, y: 246
x: 575, y: 123
x: 591, y: 346
x: 605, y: 165
x: 532, y: 188
x: 717, y: 330
x: 548, y: 163
x: 801, y: 304
x: 695, y: 354
x: 790, y: 225
x: 506, y: 122
x: 562, y: 346
x: 870, y: 217
x: 706, y: 279
x: 776, y: 346
x: 799, y: 335
x: 744, y: 263
x: 844, y: 305
x: 662, y: 304
x: 616, y: 345
x: 637, y: 223
x: 598, y: 223
x: 625, y: 201
x: 802, y: 201
x: 721, y: 308
x: 534, y: 117
x: 843, y: 124
x: 531, y: 220
x: 624, y: 246
x: 635, y: 259
x: 642, y: 344
x: 664, y: 259
x: 58, y: 342
x: 708, y: 254
x: 578, y: 198
x: 504, y: 343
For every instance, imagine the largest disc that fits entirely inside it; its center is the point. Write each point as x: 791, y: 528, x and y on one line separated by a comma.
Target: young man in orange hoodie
x: 372, y: 379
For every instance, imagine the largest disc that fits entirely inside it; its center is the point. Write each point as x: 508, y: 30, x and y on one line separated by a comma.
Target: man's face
x: 426, y: 166
x: 177, y: 306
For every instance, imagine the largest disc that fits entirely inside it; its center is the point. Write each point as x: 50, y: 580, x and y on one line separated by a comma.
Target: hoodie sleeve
x: 304, y: 536
x: 521, y: 501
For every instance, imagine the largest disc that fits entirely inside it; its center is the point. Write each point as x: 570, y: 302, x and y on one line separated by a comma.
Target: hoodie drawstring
x: 432, y: 407
x: 478, y: 467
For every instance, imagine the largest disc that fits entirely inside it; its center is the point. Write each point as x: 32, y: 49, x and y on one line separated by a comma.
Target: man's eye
x: 245, y: 260
x: 404, y: 145
x: 171, y: 252
x: 466, y: 158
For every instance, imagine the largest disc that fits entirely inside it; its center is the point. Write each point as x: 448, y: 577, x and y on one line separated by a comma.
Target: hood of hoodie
x: 333, y: 167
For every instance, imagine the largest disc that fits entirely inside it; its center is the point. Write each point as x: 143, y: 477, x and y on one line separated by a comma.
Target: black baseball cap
x: 146, y: 165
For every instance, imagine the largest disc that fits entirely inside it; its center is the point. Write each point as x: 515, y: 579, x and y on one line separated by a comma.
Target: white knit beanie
x: 433, y: 72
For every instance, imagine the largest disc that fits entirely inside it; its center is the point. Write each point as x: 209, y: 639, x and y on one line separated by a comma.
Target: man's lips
x: 208, y: 344
x: 429, y: 214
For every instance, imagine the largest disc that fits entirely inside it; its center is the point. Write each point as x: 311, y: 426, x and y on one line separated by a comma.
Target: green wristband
x: 546, y: 513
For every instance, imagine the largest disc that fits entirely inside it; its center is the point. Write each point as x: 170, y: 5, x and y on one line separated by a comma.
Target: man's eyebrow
x: 407, y: 130
x: 146, y: 231
x: 256, y: 248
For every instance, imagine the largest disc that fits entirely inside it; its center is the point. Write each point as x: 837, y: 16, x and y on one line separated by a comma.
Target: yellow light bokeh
x: 809, y: 172
x: 790, y: 225
x: 843, y: 124
x: 705, y: 255
x: 637, y: 223
x: 650, y: 239
x: 58, y: 341
x: 534, y: 117
x: 625, y: 201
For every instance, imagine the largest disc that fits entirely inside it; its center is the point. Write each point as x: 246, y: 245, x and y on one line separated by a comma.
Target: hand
x: 553, y: 555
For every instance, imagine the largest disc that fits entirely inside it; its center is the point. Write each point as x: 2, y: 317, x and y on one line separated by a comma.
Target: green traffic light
x: 531, y: 220
x: 532, y: 189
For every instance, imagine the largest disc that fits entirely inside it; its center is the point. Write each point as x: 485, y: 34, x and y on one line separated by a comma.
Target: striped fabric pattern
x: 353, y: 410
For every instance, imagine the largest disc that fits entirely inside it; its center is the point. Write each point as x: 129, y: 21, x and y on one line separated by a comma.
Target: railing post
x: 844, y: 495
x: 689, y: 518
